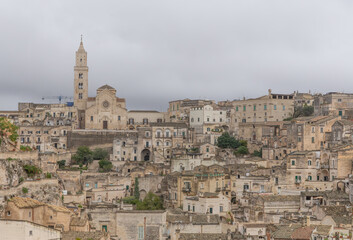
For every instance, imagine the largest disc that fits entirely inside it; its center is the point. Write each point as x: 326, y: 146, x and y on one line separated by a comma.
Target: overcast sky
x: 156, y: 51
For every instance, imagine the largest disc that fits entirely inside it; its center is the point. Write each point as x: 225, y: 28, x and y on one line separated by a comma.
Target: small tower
x: 81, y: 84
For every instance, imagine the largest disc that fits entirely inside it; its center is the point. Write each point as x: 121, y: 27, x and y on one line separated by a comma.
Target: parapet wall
x: 101, y: 138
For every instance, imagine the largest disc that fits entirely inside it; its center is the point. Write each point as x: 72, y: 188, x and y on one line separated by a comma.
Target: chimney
x: 307, y: 221
x: 177, y: 234
x: 269, y: 92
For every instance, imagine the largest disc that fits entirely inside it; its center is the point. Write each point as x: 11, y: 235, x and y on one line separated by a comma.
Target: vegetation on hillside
x: 150, y: 202
x: 227, y: 141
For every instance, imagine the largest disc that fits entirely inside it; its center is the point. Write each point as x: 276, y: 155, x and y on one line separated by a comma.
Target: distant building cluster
x: 274, y: 167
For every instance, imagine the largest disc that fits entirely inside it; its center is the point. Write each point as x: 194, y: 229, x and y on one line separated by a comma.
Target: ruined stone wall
x: 105, y: 138
x: 128, y: 222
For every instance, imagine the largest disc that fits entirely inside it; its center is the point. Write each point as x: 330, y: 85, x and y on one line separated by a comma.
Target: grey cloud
x: 156, y: 51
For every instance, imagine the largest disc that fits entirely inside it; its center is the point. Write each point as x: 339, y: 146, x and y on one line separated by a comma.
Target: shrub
x: 25, y: 148
x: 242, y: 150
x: 151, y: 202
x: 105, y: 165
x: 48, y: 175
x: 130, y: 200
x: 258, y: 153
x: 21, y: 179
x: 61, y: 163
x: 100, y: 154
x: 31, y: 170
x: 24, y: 190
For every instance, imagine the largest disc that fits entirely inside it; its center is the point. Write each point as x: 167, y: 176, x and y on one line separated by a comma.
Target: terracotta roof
x: 106, y: 86
x: 203, y: 236
x: 77, y: 221
x: 58, y: 208
x: 281, y: 198
x: 26, y: 202
x: 303, y: 233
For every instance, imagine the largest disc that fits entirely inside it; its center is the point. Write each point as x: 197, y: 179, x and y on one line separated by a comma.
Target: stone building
x: 333, y: 103
x: 26, y: 230
x: 138, y: 118
x: 272, y: 107
x: 28, y: 209
x: 179, y: 110
x: 211, y: 203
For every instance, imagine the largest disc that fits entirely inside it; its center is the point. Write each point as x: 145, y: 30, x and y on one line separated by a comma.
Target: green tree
x: 151, y: 202
x: 242, y: 150
x: 83, y: 155
x: 227, y: 141
x: 100, y: 154
x: 136, y: 189
x: 303, y: 111
x: 61, y: 163
x: 105, y: 165
x: 258, y: 153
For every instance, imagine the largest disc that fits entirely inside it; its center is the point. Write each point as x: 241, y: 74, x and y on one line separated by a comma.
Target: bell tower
x: 81, y: 84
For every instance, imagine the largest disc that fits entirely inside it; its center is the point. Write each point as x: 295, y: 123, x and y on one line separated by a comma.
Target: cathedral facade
x: 105, y: 111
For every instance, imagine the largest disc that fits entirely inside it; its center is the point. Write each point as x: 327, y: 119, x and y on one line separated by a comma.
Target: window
x: 309, y: 162
x: 293, y: 162
x: 236, y: 108
x: 30, y: 233
x: 313, y: 139
x: 87, y: 184
x: 145, y: 121
x: 91, y: 118
x: 208, y: 119
x: 322, y: 130
x: 80, y: 96
x: 189, y: 208
x: 265, y: 107
x: 30, y: 214
x: 80, y: 75
x: 312, y: 129
x: 131, y: 121
x: 299, y: 139
x: 284, y: 107
x: 220, y: 208
x: 8, y: 213
x: 147, y: 134
x: 193, y: 208
x: 254, y: 107
x: 207, y: 149
x: 211, y: 210
x: 208, y: 129
x: 339, y: 100
x: 339, y: 113
x: 141, y: 233
x: 192, y: 119
x: 310, y: 178
x: 274, y: 107
x: 119, y: 118
x: 104, y: 228
x: 244, y: 108
x: 80, y: 85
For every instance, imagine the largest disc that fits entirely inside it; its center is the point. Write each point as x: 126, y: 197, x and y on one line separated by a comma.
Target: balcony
x: 186, y: 189
x: 218, y: 189
x: 298, y: 181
